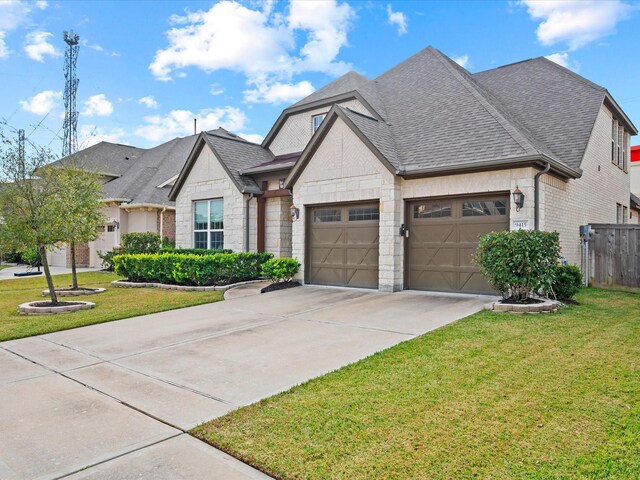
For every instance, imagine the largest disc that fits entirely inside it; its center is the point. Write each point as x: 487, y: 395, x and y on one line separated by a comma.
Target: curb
x: 184, y: 288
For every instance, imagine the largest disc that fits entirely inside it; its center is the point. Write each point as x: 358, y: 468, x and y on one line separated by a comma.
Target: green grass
x: 493, y: 396
x: 114, y: 304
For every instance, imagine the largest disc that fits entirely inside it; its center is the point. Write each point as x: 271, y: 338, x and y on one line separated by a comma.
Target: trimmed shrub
x: 280, y: 269
x: 567, y: 282
x: 106, y: 258
x: 141, y: 242
x: 190, y: 269
x: 192, y: 251
x: 520, y: 262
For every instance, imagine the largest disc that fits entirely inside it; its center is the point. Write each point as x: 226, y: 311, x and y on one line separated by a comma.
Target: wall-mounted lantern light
x: 295, y: 213
x: 518, y: 198
x: 281, y: 183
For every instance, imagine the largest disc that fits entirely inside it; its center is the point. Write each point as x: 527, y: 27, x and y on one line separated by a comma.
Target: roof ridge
x: 516, y: 131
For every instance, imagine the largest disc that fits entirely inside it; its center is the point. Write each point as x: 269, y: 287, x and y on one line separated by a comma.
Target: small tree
x: 81, y: 208
x: 30, y: 203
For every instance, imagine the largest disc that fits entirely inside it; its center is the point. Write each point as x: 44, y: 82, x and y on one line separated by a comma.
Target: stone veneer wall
x: 343, y: 169
x: 278, y: 226
x: 208, y: 180
x: 298, y: 129
x: 589, y: 199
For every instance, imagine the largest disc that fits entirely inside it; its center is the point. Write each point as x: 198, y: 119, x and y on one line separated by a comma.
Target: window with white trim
x: 316, y: 121
x: 208, y: 224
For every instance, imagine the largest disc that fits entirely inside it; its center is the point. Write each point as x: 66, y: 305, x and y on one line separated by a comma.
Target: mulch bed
x: 79, y: 289
x: 51, y: 304
x: 279, y: 286
x: 528, y: 301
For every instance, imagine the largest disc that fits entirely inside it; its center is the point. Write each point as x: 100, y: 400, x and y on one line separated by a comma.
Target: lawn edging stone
x: 186, y: 288
x: 31, y: 309
x: 546, y: 306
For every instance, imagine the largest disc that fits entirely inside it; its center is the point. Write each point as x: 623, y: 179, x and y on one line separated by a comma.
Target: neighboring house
x: 635, y: 170
x: 634, y: 216
x: 136, y: 183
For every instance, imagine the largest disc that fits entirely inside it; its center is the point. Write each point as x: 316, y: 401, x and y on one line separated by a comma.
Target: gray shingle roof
x: 348, y: 82
x: 555, y: 103
x: 154, y: 167
x: 238, y: 154
x: 377, y: 131
x: 439, y: 115
x: 106, y: 158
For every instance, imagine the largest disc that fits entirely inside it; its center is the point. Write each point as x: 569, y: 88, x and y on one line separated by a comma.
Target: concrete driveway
x: 114, y: 400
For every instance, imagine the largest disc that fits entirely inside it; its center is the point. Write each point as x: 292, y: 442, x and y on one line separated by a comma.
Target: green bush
x: 106, y: 258
x: 141, y: 242
x: 567, y: 282
x: 192, y: 251
x: 190, y: 269
x: 520, y: 262
x: 280, y: 269
x: 31, y: 257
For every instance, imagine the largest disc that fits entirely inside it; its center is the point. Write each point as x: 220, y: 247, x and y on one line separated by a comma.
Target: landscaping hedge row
x: 190, y: 269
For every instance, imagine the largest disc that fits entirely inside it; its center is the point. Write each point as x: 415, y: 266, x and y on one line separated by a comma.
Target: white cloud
x: 267, y: 47
x: 149, y: 101
x: 252, y: 137
x: 562, y: 58
x: 13, y: 14
x: 41, y: 103
x: 98, y: 48
x: 38, y: 46
x: 216, y: 89
x: 179, y: 123
x: 41, y: 4
x: 575, y: 22
x: 276, y: 93
x: 398, y: 19
x: 98, y: 105
x: 4, y: 51
x: 89, y: 135
x: 462, y: 60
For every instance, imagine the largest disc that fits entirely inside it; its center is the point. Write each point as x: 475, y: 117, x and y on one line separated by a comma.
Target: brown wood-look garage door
x: 342, y: 245
x: 443, y: 237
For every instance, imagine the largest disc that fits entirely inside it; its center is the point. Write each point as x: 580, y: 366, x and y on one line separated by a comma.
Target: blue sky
x: 146, y: 69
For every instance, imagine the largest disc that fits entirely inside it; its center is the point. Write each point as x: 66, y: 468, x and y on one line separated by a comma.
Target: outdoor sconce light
x: 295, y: 213
x: 518, y: 198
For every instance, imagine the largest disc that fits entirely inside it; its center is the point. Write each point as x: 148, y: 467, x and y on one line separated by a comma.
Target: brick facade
x: 167, y: 221
x: 83, y: 255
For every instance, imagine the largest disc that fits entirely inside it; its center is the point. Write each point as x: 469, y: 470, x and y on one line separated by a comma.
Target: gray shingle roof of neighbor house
x: 635, y: 202
x: 110, y: 159
x: 140, y: 183
x: 441, y: 118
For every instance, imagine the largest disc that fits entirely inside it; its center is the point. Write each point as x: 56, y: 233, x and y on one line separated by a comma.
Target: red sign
x: 635, y: 153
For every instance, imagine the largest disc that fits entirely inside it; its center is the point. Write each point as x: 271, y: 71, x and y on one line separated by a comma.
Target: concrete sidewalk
x: 115, y: 400
x: 8, y: 273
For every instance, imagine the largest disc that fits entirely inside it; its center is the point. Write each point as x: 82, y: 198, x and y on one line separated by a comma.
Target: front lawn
x: 491, y: 396
x: 114, y: 304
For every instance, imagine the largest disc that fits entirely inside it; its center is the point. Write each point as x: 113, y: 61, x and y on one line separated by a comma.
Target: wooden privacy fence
x: 614, y: 257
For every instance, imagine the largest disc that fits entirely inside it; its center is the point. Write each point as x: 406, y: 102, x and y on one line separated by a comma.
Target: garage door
x: 342, y: 246
x: 443, y: 236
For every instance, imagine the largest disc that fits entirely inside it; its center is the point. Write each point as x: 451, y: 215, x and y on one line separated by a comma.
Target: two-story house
x: 387, y: 183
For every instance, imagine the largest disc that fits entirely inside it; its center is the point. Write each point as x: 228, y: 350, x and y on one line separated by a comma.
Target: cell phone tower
x: 70, y: 144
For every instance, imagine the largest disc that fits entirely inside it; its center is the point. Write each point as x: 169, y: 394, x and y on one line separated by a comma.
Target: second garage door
x: 342, y: 245
x: 443, y: 237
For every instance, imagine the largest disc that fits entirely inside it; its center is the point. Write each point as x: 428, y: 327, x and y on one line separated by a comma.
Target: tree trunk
x: 47, y: 274
x: 74, y: 275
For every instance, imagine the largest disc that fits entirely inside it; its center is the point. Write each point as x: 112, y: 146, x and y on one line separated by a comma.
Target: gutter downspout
x: 246, y: 225
x: 536, y: 190
x: 162, y: 223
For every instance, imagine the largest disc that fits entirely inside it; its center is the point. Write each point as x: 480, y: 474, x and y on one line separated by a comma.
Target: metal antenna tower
x: 21, y: 141
x: 70, y: 144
